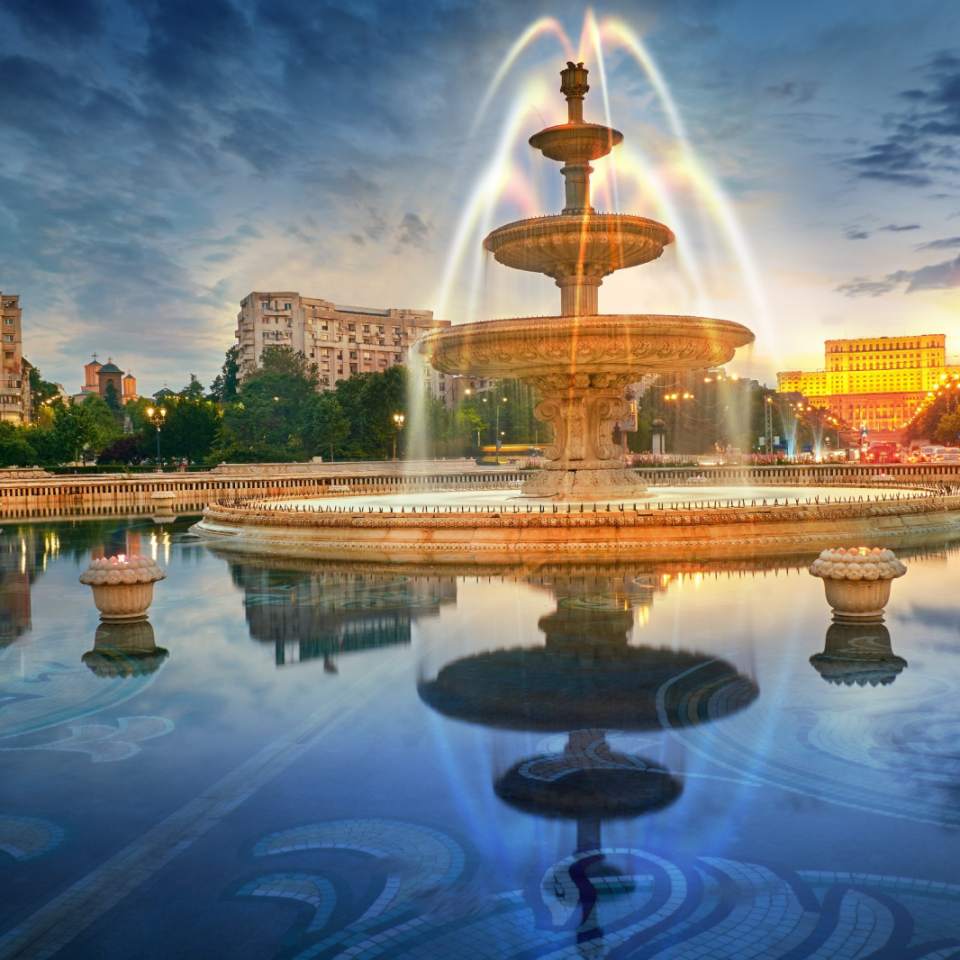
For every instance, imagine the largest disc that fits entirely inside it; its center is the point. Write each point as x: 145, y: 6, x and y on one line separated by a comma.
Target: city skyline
x: 156, y: 171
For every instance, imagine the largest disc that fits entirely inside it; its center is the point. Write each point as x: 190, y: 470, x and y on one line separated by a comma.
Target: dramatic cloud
x: 793, y: 91
x: 862, y: 287
x: 161, y: 158
x: 62, y: 19
x: 413, y: 231
x: 936, y: 276
x: 946, y: 243
x: 921, y: 145
x: 859, y: 233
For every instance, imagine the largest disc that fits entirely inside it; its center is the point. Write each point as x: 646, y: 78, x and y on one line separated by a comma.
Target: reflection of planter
x: 858, y: 653
x: 857, y: 580
x: 124, y: 649
x: 122, y: 586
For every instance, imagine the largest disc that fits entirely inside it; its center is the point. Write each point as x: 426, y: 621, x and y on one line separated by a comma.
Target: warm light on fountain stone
x: 122, y: 586
x: 581, y: 362
x: 857, y: 580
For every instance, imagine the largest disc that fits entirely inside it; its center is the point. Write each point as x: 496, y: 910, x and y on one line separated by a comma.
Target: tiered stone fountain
x: 581, y: 362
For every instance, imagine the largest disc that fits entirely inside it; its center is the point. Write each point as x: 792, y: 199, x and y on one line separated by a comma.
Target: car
x: 882, y: 453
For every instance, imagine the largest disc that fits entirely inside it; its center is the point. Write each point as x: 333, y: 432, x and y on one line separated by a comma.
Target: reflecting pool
x: 296, y: 759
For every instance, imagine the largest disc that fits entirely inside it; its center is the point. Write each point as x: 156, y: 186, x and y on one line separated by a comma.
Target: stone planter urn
x: 122, y: 586
x: 857, y: 581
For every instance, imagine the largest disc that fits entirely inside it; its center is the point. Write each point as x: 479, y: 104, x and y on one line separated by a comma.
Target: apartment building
x: 14, y: 380
x: 340, y: 340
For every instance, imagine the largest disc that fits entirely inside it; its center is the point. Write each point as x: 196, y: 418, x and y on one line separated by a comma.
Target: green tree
x: 15, y: 449
x: 44, y: 443
x: 130, y: 448
x: 468, y: 426
x: 100, y: 426
x: 926, y: 424
x: 947, y: 430
x: 193, y: 390
x: 226, y: 384
x: 67, y: 433
x: 369, y: 401
x: 190, y: 429
x: 110, y: 397
x: 83, y: 428
x: 40, y: 390
x: 327, y: 427
x: 269, y: 421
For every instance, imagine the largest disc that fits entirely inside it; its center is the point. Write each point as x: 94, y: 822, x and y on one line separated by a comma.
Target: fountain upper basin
x: 590, y: 244
x: 576, y: 142
x: 618, y: 344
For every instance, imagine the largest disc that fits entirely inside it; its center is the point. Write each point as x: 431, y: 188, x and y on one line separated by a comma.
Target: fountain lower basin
x: 625, y: 346
x: 505, y: 528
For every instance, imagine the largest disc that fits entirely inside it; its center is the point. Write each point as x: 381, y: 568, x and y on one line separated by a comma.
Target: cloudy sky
x: 159, y: 159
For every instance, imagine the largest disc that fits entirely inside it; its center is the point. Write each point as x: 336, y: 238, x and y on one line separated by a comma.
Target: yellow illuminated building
x: 875, y: 382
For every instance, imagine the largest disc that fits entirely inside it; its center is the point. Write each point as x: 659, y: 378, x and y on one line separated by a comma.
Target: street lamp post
x: 496, y: 429
x: 157, y: 416
x: 502, y: 401
x: 768, y: 425
x: 398, y: 421
x: 676, y: 398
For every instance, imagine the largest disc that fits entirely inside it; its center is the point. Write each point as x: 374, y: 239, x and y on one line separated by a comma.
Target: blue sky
x: 161, y: 159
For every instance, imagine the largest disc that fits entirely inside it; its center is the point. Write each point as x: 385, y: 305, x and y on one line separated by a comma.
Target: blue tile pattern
x: 642, y: 905
x: 26, y: 838
x: 314, y: 891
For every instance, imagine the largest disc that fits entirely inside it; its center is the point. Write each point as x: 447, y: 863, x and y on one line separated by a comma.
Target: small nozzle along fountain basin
x: 581, y: 362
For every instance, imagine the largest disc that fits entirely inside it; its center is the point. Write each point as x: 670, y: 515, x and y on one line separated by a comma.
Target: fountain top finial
x: 574, y: 86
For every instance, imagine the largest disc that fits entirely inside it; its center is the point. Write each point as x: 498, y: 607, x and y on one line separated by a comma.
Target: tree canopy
x: 275, y: 414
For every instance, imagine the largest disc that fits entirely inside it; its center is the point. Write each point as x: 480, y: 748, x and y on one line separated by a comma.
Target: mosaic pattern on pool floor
x: 608, y: 902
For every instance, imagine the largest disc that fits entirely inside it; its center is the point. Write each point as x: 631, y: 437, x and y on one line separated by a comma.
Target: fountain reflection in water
x: 586, y: 681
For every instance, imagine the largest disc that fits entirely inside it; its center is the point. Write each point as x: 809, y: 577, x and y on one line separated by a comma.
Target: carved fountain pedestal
x: 581, y: 367
x: 582, y: 409
x: 581, y: 362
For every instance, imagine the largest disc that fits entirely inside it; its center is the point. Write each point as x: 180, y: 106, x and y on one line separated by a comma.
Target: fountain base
x: 607, y: 484
x: 497, y: 527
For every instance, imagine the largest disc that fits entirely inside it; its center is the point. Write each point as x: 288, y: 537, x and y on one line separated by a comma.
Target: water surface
x: 295, y: 759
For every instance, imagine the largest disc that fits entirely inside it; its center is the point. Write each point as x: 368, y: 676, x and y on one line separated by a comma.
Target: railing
x: 807, y: 474
x: 32, y: 495
x: 191, y: 492
x: 916, y: 491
